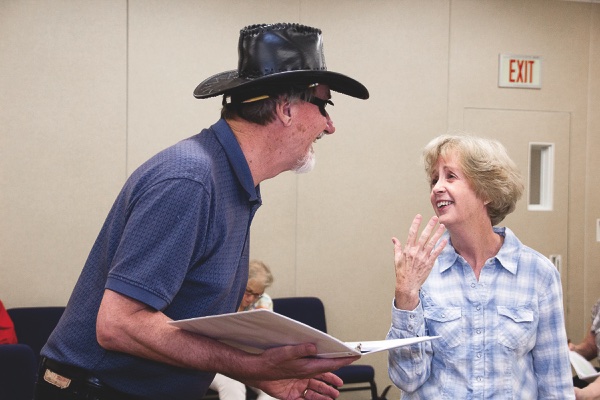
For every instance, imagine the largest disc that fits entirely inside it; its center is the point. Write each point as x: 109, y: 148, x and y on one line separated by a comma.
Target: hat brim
x: 229, y: 82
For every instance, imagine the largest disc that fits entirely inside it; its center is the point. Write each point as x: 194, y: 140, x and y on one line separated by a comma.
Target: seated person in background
x: 588, y: 348
x: 7, y: 328
x: 259, y: 278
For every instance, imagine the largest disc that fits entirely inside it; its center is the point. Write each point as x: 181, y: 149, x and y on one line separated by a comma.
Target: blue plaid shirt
x: 502, y: 337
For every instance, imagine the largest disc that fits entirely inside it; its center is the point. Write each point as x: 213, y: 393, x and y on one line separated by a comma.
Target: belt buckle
x: 55, y: 379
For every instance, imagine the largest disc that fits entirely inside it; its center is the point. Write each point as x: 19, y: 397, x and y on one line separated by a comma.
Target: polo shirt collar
x: 237, y: 159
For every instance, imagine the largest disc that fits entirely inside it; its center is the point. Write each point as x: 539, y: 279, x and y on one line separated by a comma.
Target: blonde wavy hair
x: 492, y: 174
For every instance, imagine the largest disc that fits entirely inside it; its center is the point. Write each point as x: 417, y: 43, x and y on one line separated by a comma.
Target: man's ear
x: 283, y: 111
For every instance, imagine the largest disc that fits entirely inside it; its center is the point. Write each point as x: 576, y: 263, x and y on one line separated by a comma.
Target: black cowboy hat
x: 273, y: 55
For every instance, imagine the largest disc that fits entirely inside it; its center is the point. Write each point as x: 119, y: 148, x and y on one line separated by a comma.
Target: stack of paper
x: 258, y: 330
x: 584, y: 369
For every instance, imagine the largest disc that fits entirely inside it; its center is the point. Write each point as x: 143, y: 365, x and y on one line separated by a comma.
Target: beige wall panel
x: 62, y: 149
x: 558, y: 32
x: 555, y: 30
x: 173, y: 46
x: 591, y: 277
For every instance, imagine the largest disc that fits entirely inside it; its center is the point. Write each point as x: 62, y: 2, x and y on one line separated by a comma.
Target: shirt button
x: 478, y: 355
x: 479, y: 379
x: 411, y: 316
x: 478, y: 331
x: 472, y: 285
x: 478, y: 308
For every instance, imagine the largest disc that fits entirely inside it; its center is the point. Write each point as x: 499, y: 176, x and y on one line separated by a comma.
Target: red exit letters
x: 520, y: 71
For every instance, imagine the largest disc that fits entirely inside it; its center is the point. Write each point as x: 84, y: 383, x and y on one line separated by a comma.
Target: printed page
x: 259, y: 330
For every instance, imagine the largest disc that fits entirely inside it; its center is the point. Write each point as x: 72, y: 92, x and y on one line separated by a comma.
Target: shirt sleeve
x: 164, y: 233
x: 409, y: 366
x: 550, y: 354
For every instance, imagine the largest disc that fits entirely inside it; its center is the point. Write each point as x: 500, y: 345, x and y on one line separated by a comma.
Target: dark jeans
x: 63, y: 382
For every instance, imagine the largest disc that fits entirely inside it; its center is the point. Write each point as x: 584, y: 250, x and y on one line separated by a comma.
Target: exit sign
x: 520, y: 71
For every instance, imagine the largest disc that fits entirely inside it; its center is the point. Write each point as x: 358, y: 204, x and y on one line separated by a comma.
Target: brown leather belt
x: 75, y: 381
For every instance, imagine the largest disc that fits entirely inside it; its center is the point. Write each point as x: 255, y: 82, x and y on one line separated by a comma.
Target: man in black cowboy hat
x: 175, y: 244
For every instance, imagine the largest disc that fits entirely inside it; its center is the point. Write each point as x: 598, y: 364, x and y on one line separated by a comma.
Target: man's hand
x: 293, y: 372
x: 289, y: 362
x: 317, y: 388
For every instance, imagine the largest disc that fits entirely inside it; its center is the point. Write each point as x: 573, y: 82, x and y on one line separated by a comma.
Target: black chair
x: 310, y: 311
x: 34, y: 325
x: 18, y: 369
x: 19, y: 366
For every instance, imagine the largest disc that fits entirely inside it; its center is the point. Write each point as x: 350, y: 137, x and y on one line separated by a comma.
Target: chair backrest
x: 308, y: 310
x: 35, y: 324
x: 18, y: 366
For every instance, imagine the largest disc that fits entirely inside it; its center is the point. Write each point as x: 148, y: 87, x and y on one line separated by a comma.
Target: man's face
x: 311, y: 126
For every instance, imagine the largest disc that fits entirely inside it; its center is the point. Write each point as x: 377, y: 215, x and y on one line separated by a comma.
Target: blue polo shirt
x: 176, y: 239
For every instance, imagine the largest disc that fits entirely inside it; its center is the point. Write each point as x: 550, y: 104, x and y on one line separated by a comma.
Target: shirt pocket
x: 445, y: 322
x: 515, y: 326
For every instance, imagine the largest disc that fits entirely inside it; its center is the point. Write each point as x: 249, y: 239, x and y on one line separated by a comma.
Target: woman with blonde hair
x: 495, y: 303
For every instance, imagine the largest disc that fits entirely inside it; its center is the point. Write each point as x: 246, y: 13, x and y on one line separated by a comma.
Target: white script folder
x: 584, y: 369
x: 259, y: 330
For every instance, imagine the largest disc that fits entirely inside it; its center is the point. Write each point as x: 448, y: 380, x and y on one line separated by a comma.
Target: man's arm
x: 587, y: 347
x: 129, y: 326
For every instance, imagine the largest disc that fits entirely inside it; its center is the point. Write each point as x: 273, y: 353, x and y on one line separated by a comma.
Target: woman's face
x: 254, y: 291
x: 452, y: 197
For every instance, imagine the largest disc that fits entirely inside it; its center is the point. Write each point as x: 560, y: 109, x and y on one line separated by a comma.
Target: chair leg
x: 384, y: 393
x: 374, y: 395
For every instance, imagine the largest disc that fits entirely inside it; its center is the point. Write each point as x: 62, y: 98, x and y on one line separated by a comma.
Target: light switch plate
x: 557, y: 261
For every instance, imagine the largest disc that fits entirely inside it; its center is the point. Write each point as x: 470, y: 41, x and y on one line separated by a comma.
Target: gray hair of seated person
x: 260, y: 272
x: 493, y: 175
